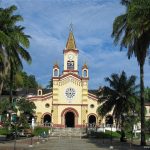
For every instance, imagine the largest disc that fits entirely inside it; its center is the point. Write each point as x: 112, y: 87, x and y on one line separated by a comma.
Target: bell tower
x: 70, y: 55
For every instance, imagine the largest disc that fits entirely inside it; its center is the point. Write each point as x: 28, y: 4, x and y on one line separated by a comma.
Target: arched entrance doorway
x: 70, y: 119
x: 109, y: 120
x: 47, y: 119
x: 92, y: 119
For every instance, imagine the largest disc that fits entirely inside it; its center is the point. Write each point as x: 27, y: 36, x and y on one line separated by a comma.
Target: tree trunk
x: 1, y: 87
x: 11, y: 85
x: 143, y: 141
x: 123, y: 136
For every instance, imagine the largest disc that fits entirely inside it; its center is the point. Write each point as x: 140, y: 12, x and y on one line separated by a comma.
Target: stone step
x: 73, y: 132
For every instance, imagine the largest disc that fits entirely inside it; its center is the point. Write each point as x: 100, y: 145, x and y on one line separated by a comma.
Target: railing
x: 46, y: 124
x: 101, y: 127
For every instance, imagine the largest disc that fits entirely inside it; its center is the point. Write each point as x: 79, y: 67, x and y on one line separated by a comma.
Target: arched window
x: 85, y: 73
x: 40, y: 92
x: 55, y: 72
x: 70, y: 65
x: 47, y: 120
x: 92, y: 119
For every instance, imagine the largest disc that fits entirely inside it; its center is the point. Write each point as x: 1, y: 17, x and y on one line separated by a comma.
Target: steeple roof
x: 85, y: 66
x: 56, y: 65
x: 71, y: 42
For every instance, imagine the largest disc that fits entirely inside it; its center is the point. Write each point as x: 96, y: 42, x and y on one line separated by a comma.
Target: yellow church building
x: 69, y: 103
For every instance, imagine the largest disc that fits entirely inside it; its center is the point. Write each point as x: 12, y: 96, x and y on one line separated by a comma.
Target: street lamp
x: 28, y: 116
x: 83, y: 123
x: 132, y: 115
x: 15, y: 121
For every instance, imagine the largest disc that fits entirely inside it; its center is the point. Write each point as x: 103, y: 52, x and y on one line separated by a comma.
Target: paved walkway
x: 68, y: 143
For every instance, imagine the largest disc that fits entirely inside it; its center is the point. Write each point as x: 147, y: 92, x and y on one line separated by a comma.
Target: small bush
x: 4, y: 131
x: 107, y: 134
x: 40, y: 130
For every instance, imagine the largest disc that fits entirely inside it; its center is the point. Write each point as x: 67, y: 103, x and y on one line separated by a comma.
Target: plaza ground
x: 69, y: 143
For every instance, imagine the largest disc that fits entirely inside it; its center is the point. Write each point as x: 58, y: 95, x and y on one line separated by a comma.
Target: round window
x: 70, y: 93
x: 92, y: 105
x: 47, y: 105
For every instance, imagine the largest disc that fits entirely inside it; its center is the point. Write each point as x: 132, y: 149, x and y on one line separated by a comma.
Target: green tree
x: 148, y: 125
x: 50, y: 84
x: 17, y: 41
x: 28, y: 107
x: 119, y: 97
x: 132, y: 31
x: 5, y: 107
x: 32, y: 82
x: 21, y: 80
x: 147, y: 94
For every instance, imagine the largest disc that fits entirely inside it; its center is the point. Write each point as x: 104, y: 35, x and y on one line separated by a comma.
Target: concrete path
x: 68, y: 143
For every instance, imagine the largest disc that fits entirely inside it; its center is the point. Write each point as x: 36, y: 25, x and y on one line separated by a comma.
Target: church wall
x: 90, y: 108
x: 41, y: 107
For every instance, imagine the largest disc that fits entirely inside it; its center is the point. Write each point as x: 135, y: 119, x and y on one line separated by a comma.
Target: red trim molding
x: 71, y: 104
x: 70, y: 109
x: 46, y: 113
x: 92, y: 114
x: 71, y: 71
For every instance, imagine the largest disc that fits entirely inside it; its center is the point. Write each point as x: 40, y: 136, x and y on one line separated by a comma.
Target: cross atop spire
x: 71, y: 41
x: 71, y: 27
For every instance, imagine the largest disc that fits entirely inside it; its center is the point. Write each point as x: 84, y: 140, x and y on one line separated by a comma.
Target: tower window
x: 40, y: 92
x: 85, y: 73
x: 70, y: 65
x: 55, y: 72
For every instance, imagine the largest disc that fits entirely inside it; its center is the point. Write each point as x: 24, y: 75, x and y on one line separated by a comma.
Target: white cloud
x: 47, y: 21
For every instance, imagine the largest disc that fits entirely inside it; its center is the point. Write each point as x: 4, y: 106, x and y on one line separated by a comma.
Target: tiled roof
x: 25, y: 92
x: 95, y: 92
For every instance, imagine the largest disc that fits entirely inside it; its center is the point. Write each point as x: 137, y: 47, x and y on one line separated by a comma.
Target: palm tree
x: 28, y: 109
x: 16, y: 39
x: 119, y: 97
x: 132, y: 31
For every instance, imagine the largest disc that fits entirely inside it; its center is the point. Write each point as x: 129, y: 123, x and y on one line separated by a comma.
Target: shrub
x: 40, y: 130
x: 4, y: 131
x: 107, y: 134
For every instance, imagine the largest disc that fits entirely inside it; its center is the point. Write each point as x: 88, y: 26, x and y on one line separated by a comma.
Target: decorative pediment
x: 70, y: 79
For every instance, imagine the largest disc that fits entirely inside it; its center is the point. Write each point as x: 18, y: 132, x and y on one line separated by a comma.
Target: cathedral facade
x: 70, y: 103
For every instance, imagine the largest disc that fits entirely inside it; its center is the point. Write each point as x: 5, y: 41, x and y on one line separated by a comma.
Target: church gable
x: 70, y: 90
x: 71, y: 79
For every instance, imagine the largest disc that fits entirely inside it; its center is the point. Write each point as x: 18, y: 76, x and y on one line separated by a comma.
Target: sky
x: 48, y: 21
